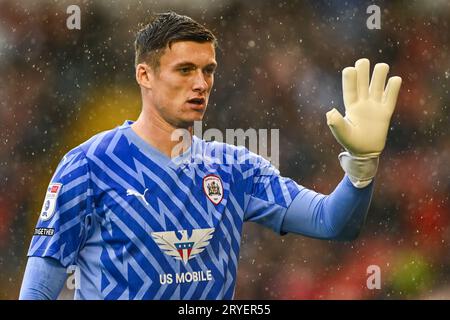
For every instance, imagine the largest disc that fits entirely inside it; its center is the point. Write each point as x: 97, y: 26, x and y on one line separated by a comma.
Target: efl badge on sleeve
x: 48, y: 208
x: 213, y: 188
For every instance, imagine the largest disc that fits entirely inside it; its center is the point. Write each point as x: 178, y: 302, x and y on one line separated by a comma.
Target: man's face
x: 180, y: 87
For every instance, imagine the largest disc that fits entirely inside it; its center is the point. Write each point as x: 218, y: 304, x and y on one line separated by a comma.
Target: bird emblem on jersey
x: 131, y: 192
x: 182, y: 246
x: 213, y: 188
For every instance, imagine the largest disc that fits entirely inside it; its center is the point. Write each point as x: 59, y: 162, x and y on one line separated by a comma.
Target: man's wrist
x: 360, y: 169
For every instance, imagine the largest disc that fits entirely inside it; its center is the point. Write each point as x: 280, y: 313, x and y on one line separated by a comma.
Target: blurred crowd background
x: 280, y: 67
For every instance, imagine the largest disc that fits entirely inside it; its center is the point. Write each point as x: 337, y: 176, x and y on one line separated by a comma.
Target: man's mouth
x: 198, y: 101
x: 197, y: 104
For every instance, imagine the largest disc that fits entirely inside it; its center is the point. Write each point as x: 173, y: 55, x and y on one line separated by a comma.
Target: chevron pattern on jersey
x: 117, y: 191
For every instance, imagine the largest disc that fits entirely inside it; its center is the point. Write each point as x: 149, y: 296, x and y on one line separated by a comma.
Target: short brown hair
x: 165, y: 29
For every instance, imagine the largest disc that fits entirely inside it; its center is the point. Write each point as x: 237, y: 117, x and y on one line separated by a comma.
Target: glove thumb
x: 340, y: 127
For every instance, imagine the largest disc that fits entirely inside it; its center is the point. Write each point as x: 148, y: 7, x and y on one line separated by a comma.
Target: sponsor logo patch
x: 180, y: 245
x: 48, y: 208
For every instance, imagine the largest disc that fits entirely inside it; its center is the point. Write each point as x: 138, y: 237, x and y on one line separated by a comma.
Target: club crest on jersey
x: 181, y: 245
x: 48, y: 208
x: 213, y: 188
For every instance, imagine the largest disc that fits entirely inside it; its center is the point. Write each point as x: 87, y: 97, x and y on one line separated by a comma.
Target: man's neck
x: 158, y: 133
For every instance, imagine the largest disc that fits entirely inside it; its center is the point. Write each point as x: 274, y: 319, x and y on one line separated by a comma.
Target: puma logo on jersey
x: 131, y: 192
x: 182, y: 246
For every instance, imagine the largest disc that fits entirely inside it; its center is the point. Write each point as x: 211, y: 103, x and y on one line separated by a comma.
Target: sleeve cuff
x: 360, y: 170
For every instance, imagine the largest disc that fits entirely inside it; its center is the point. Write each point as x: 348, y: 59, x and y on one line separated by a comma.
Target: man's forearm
x: 338, y: 216
x: 43, y: 279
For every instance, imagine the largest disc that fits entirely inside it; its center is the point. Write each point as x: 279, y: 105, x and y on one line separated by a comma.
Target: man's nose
x: 200, y: 84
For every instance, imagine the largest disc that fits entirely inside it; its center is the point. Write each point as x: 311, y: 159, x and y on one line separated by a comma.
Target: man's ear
x: 144, y: 75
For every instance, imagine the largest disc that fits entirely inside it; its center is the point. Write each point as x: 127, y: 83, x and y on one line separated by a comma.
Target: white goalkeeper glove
x: 368, y: 110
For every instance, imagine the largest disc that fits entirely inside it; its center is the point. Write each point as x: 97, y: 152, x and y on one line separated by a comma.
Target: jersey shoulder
x: 97, y: 144
x: 227, y: 154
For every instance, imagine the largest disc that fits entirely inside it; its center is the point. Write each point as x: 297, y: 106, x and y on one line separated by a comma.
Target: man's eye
x: 185, y: 70
x: 209, y: 71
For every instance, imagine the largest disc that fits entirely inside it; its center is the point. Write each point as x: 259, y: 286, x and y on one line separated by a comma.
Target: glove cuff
x: 360, y: 170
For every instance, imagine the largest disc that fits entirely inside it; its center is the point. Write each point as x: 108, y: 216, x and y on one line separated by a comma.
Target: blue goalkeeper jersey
x: 140, y: 225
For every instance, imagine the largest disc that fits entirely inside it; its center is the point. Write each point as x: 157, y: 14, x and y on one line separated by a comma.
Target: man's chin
x: 188, y: 123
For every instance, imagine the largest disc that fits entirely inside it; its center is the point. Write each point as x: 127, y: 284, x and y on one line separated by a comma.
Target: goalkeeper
x: 140, y: 224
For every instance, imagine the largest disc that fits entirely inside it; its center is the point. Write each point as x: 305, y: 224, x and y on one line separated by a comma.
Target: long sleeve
x: 43, y: 279
x: 338, y: 216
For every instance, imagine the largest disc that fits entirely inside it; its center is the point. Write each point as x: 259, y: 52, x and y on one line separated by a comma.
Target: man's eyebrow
x: 212, y: 64
x: 184, y: 64
x: 190, y: 64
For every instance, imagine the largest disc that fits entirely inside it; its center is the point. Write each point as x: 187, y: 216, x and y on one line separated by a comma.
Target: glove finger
x: 391, y: 93
x: 378, y: 80
x: 362, y: 73
x: 349, y: 87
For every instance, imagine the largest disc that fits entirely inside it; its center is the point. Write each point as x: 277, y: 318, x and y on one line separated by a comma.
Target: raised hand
x: 368, y: 109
